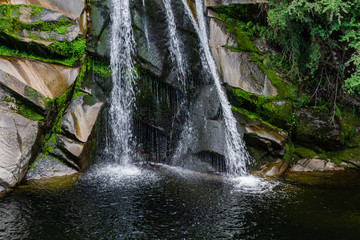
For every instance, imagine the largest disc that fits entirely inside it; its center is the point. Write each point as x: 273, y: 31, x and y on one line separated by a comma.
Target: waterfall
x: 186, y: 136
x: 236, y: 155
x: 121, y: 142
x: 174, y: 45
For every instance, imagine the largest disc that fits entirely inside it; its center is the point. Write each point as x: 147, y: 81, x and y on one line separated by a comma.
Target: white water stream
x: 174, y: 45
x: 121, y: 143
x: 237, y: 156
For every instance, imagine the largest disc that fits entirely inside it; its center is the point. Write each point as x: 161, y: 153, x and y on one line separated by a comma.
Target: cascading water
x: 178, y: 58
x: 236, y: 155
x: 121, y: 142
x: 174, y: 45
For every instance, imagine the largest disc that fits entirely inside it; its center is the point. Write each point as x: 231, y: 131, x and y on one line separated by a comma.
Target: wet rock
x: 80, y: 117
x: 49, y: 37
x: 48, y: 167
x: 207, y: 124
x: 70, y: 145
x: 70, y: 8
x: 260, y: 134
x: 30, y: 78
x: 274, y: 169
x: 46, y: 15
x: 17, y: 136
x: 99, y: 31
x: 314, y: 165
x: 315, y: 128
x: 265, y: 132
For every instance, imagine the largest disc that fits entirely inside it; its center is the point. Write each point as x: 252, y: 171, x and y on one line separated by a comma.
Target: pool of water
x: 112, y: 202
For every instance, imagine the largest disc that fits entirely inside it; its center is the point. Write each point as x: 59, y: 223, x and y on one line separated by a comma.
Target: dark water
x: 110, y: 203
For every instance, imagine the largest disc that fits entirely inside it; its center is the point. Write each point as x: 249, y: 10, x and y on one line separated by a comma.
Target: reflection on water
x: 160, y: 202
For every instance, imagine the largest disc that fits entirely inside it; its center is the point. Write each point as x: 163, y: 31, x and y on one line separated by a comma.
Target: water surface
x: 111, y: 202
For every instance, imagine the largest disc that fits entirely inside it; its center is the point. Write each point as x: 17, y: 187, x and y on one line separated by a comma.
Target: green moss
x: 72, y: 49
x: 289, y: 156
x: 61, y: 29
x: 30, y: 113
x: 348, y: 123
x: 253, y: 117
x: 101, y: 69
x: 348, y: 154
x: 271, y: 110
x: 36, y: 11
x: 66, y: 53
x: 24, y: 109
x: 302, y: 152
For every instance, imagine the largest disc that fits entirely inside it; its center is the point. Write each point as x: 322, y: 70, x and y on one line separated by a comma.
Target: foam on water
x: 115, y: 175
x: 251, y: 184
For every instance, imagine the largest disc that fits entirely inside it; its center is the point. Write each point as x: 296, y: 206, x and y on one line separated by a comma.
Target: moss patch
x: 302, y: 152
x: 66, y: 53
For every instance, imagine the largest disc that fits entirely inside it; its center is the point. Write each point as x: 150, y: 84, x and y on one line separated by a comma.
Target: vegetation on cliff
x: 319, y: 42
x: 310, y: 52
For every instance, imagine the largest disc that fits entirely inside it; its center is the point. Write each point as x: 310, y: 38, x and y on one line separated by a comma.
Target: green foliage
x: 75, y: 48
x: 302, y: 152
x: 321, y: 40
x: 100, y: 68
x: 5, y: 51
x: 30, y: 113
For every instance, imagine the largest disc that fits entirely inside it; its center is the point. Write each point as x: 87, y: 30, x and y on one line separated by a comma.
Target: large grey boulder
x: 80, y: 117
x: 32, y: 78
x: 48, y: 167
x: 318, y: 128
x: 17, y: 136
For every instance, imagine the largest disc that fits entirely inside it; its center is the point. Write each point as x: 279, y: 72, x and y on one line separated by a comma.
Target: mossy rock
x: 271, y: 110
x: 315, y: 128
x: 350, y: 129
x: 302, y: 152
x: 345, y: 155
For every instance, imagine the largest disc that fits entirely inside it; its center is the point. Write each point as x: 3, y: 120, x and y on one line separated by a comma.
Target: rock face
x: 207, y: 125
x: 235, y: 67
x: 49, y: 37
x: 69, y: 8
x: 80, y: 118
x: 314, y: 165
x: 30, y: 78
x: 48, y: 167
x: 314, y: 127
x: 274, y: 169
x: 17, y: 136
